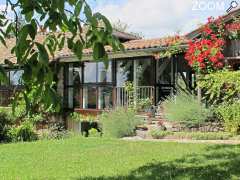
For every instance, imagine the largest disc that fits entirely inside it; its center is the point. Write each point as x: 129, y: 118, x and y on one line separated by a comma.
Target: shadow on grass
x: 219, y: 162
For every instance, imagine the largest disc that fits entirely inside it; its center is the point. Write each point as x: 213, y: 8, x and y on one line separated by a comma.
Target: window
x: 77, y: 75
x: 124, y: 72
x: 104, y: 75
x: 90, y: 72
x: 84, y: 85
x: 90, y: 98
x: 105, y: 97
x: 97, y: 73
x: 14, y: 77
x: 145, y: 72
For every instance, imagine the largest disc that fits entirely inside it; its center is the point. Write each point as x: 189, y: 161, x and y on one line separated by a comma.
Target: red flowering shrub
x: 205, y: 54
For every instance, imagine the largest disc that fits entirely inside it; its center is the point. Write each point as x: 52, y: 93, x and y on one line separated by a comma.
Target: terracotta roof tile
x: 5, y: 53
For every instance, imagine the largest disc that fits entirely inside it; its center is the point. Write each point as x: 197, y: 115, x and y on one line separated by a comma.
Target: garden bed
x: 192, y: 135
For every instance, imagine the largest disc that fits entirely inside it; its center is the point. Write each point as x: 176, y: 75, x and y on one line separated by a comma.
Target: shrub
x: 185, y: 108
x: 24, y: 132
x: 50, y: 135
x: 230, y: 114
x: 77, y: 117
x: 6, y: 122
x: 119, y: 123
x: 203, y: 135
x: 94, y: 133
x: 158, y: 134
x: 220, y: 87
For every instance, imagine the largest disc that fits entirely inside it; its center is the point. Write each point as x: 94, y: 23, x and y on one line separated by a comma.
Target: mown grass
x: 96, y: 158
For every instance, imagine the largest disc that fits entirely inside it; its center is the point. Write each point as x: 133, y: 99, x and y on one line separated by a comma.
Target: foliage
x: 24, y: 132
x: 134, y: 102
x: 5, y: 125
x: 203, y: 135
x: 55, y: 134
x: 131, y: 94
x: 78, y: 117
x: 119, y: 123
x: 55, y: 131
x: 230, y: 114
x: 124, y: 27
x: 143, y: 103
x: 205, y: 55
x: 185, y: 108
x: 173, y: 48
x: 158, y: 134
x: 94, y: 133
x: 63, y: 21
x: 219, y: 87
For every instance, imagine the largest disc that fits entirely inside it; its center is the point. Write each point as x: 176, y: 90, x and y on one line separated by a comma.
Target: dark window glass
x: 145, y: 72
x: 104, y: 75
x: 15, y: 77
x: 77, y: 97
x: 90, y: 73
x: 105, y: 97
x: 164, y: 72
x: 90, y: 98
x: 77, y: 75
x: 124, y: 72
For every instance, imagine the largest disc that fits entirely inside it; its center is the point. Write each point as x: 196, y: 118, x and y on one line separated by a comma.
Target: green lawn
x: 80, y: 158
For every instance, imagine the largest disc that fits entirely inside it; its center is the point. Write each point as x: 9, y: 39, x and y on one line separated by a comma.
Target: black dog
x: 86, y: 126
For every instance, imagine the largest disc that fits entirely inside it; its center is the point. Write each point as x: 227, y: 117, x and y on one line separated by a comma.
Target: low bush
x: 24, y: 132
x: 203, y: 135
x: 230, y: 114
x: 220, y: 87
x: 185, y: 108
x: 158, y: 134
x: 119, y: 123
x: 94, y: 133
x: 6, y: 123
x: 55, y: 135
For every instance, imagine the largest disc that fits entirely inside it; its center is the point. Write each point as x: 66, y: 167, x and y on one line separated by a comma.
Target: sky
x: 158, y: 18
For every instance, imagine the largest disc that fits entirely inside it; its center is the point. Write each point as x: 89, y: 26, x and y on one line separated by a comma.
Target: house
x: 88, y: 87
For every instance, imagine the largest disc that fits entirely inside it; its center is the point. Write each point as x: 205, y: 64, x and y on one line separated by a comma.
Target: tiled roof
x: 141, y: 44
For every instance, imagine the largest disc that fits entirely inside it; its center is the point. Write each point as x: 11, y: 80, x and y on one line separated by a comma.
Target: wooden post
x: 135, y: 79
x: 199, y: 90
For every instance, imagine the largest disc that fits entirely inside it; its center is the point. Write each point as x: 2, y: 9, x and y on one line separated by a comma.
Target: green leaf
x: 32, y: 29
x: 105, y: 21
x: 61, y: 44
x: 70, y: 43
x: 29, y: 15
x: 78, y: 8
x: 99, y: 52
x: 88, y: 12
x: 3, y: 75
x: 77, y: 49
x: 43, y: 54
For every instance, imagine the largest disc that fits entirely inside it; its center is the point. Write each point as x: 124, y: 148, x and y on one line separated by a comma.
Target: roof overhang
x: 149, y: 52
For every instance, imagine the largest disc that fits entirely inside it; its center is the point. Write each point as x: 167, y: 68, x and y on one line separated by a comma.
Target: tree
x: 60, y: 18
x: 124, y: 27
